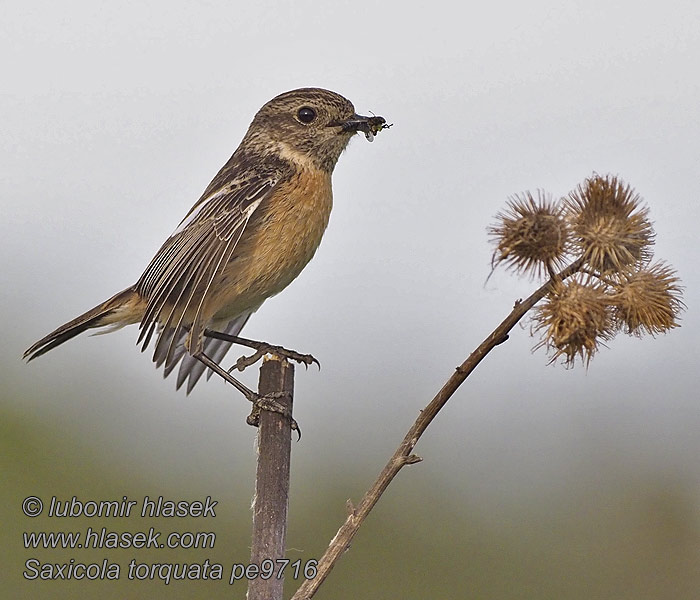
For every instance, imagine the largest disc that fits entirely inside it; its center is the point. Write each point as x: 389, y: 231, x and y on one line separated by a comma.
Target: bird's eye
x: 306, y: 114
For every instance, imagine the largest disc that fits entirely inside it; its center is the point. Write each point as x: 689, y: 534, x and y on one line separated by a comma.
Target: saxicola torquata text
x: 251, y: 233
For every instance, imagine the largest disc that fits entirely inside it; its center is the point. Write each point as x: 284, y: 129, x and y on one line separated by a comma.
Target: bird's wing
x: 178, y: 279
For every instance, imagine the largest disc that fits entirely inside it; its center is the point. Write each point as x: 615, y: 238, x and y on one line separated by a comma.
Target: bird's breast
x: 280, y: 239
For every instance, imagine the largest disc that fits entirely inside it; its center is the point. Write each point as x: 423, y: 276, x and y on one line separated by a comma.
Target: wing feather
x: 178, y: 280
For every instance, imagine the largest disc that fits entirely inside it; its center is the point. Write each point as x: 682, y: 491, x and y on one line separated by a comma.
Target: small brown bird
x: 254, y: 229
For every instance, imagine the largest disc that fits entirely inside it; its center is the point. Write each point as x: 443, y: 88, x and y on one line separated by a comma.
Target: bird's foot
x: 263, y: 348
x: 270, y: 402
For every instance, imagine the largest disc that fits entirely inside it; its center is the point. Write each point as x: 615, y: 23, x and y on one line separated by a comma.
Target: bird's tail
x: 121, y: 309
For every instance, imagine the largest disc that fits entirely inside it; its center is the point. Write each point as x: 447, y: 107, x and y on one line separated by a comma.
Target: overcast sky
x: 115, y: 116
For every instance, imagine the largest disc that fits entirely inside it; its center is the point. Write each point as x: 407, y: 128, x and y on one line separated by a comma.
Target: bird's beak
x: 370, y: 126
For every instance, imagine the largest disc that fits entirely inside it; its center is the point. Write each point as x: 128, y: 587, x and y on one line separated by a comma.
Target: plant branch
x: 340, y: 543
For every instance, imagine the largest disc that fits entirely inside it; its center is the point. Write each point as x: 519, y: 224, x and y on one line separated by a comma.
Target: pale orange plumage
x: 256, y: 226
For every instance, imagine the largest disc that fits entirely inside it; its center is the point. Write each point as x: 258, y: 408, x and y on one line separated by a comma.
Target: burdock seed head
x: 648, y: 301
x: 530, y: 235
x: 609, y: 225
x: 573, y: 320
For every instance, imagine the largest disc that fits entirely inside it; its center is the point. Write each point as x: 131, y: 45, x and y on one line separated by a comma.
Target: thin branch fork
x: 403, y: 455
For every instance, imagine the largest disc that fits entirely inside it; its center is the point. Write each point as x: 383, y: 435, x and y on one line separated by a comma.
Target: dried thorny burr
x: 594, y: 248
x: 603, y: 231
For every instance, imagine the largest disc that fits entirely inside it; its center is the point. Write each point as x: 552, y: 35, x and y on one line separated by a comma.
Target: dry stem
x: 340, y: 543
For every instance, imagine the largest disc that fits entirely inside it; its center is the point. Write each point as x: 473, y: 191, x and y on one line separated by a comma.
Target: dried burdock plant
x: 574, y: 318
x: 603, y: 232
x: 647, y: 301
x: 609, y: 225
x: 531, y: 235
x: 594, y: 248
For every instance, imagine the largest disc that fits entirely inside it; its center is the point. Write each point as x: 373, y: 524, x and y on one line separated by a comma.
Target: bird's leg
x: 267, y: 402
x: 261, y: 349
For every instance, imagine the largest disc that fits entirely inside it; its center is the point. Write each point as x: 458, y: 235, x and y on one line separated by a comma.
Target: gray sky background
x: 116, y: 116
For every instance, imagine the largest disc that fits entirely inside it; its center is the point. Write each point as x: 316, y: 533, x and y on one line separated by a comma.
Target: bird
x: 255, y: 227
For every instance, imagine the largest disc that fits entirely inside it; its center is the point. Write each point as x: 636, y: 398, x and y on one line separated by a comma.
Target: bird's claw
x: 270, y: 402
x: 246, y: 361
